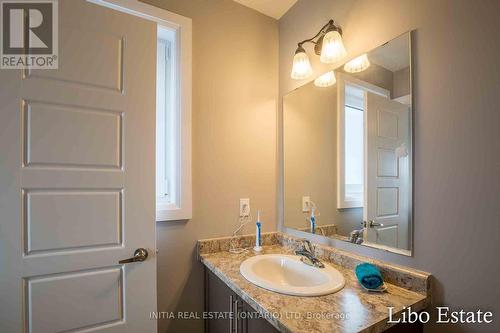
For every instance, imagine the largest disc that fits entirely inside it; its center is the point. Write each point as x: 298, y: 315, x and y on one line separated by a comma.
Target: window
x: 165, y: 121
x: 173, y: 132
x: 351, y: 133
x: 173, y: 107
x: 354, y: 136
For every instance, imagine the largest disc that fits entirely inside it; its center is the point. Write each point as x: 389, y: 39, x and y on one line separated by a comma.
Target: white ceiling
x: 273, y: 8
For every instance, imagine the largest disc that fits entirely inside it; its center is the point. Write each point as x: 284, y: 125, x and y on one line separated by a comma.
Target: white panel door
x: 77, y: 177
x: 386, y: 171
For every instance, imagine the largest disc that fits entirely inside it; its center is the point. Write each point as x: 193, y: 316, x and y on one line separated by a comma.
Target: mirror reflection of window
x: 354, y: 137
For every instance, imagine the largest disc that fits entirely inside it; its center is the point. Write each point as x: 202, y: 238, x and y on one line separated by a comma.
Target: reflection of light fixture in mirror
x: 327, y: 44
x: 301, y: 68
x: 325, y: 80
x: 358, y: 64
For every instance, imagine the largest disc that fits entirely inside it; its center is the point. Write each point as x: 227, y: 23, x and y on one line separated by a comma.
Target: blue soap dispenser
x: 258, y: 242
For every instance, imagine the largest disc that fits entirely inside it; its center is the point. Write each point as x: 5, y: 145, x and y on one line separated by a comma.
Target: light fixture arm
x: 327, y: 44
x: 317, y: 40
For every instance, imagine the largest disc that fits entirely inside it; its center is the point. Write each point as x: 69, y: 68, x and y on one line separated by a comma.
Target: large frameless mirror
x: 347, y: 149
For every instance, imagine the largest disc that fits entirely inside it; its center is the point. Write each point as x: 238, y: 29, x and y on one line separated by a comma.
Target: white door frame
x: 342, y: 80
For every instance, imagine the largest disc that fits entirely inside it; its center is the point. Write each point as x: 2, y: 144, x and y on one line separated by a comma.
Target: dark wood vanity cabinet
x: 228, y: 312
x: 220, y: 299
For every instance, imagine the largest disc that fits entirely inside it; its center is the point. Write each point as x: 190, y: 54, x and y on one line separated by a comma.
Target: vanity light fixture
x: 357, y: 64
x: 325, y: 80
x: 327, y: 44
x: 333, y: 49
x: 301, y: 68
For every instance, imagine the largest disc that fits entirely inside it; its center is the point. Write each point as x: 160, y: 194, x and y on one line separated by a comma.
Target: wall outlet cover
x: 244, y: 207
x: 306, y: 204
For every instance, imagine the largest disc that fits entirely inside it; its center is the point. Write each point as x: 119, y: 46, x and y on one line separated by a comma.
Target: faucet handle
x: 310, y: 248
x: 306, y: 245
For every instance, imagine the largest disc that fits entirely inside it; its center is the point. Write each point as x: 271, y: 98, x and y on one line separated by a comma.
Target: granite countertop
x: 351, y: 309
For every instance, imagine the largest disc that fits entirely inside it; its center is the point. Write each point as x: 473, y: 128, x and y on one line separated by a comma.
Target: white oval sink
x: 286, y: 274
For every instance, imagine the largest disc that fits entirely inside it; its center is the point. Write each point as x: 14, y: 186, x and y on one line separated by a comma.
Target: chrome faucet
x: 307, y: 254
x: 356, y: 236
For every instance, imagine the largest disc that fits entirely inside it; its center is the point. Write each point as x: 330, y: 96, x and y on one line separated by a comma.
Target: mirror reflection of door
x: 386, y: 201
x: 374, y: 163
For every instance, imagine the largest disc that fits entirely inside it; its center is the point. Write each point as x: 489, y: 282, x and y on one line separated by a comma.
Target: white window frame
x: 182, y: 28
x: 342, y: 80
x: 167, y: 131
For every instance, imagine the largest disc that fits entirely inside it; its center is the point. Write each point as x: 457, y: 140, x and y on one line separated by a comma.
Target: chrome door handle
x: 372, y: 224
x: 140, y: 254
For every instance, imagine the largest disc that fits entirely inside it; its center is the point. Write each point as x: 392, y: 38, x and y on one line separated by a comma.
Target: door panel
x: 65, y: 220
x: 388, y: 235
x: 387, y: 124
x: 77, y: 177
x: 387, y: 201
x: 386, y: 173
x: 84, y: 292
x: 387, y: 163
x: 71, y: 136
x: 81, y: 47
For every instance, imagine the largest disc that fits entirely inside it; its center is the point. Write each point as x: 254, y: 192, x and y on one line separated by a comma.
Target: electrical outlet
x: 306, y: 204
x: 244, y: 207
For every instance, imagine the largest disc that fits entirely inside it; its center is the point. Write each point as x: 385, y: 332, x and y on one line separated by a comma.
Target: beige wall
x: 457, y: 135
x: 310, y: 158
x: 400, y: 86
x: 309, y: 147
x: 375, y: 74
x: 235, y: 89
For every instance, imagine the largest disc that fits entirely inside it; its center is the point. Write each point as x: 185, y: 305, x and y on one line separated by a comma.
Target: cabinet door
x: 218, y: 300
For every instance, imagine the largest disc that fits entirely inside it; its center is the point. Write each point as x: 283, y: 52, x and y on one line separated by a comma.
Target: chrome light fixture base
x: 334, y: 49
x: 330, y: 26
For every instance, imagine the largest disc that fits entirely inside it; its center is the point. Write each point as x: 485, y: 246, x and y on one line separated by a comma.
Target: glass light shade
x: 358, y: 64
x: 301, y: 68
x: 333, y: 49
x: 325, y: 80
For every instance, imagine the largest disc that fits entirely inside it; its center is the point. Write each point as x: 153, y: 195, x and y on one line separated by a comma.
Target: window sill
x: 171, y: 212
x: 350, y: 204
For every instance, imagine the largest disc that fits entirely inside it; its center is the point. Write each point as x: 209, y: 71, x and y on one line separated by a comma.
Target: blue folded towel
x: 369, y: 275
